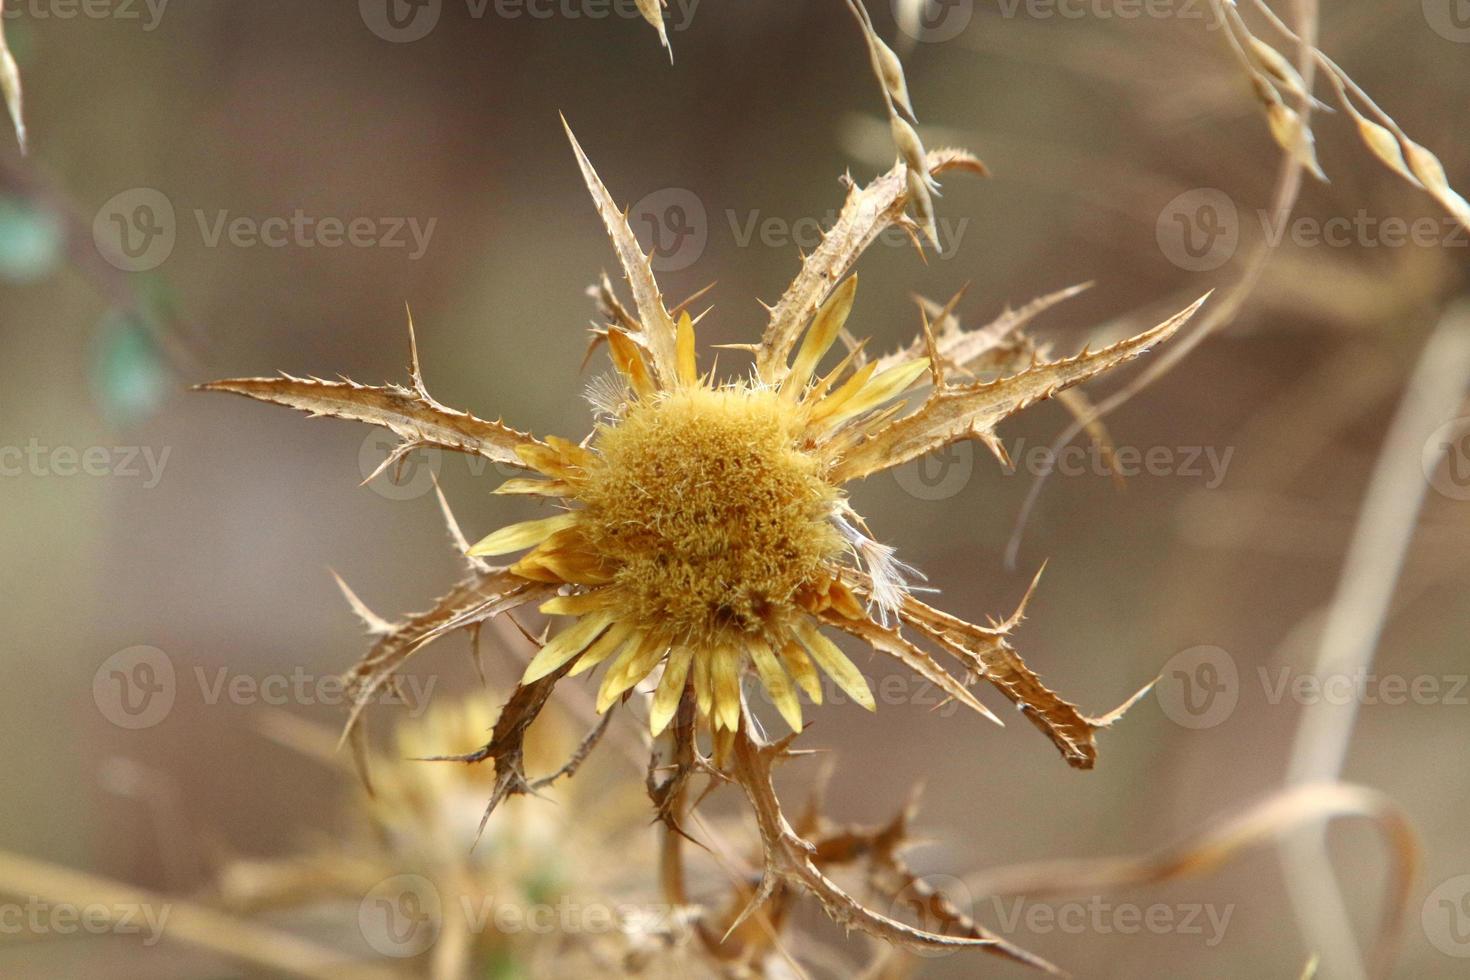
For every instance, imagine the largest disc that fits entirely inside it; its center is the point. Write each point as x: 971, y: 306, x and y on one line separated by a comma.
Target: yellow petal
x: 549, y: 460
x: 573, y: 454
x: 566, y: 645
x: 845, y: 602
x: 523, y: 535
x: 551, y: 564
x: 835, y: 663
x: 704, y: 691
x: 725, y: 678
x: 629, y: 362
x: 835, y: 402
x: 543, y: 488
x: 776, y: 683
x: 575, y: 605
x: 688, y: 365
x: 670, y: 689
x: 882, y: 387
x: 632, y: 665
x: 803, y: 670
x: 825, y: 327
x: 605, y: 647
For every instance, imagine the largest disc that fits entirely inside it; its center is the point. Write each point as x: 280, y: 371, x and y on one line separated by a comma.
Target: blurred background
x: 230, y: 189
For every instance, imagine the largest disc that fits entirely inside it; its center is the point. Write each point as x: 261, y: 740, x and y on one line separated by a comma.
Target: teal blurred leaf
x: 32, y: 241
x: 130, y: 375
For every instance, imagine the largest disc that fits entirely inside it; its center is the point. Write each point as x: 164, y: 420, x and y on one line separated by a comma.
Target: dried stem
x: 1355, y: 621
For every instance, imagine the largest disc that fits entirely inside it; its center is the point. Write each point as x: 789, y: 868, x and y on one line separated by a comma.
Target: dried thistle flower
x: 704, y: 534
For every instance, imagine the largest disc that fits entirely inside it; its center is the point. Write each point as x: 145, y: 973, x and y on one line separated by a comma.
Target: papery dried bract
x: 10, y: 84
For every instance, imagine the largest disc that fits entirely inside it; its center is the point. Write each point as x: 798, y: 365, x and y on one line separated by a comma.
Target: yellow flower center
x: 711, y: 516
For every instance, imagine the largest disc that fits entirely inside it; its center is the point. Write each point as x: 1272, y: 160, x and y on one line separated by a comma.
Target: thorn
x: 395, y: 458
x: 376, y: 625
x: 414, y: 370
x: 456, y: 535
x: 676, y: 310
